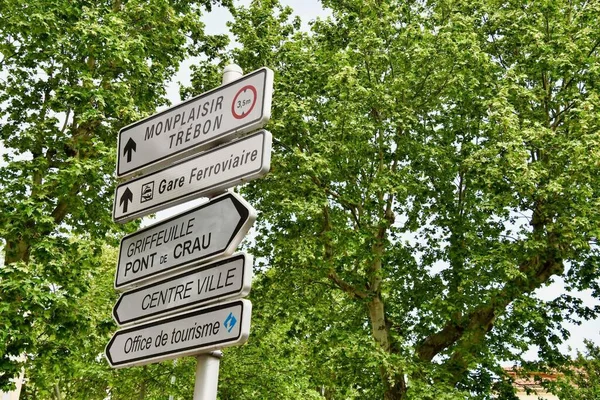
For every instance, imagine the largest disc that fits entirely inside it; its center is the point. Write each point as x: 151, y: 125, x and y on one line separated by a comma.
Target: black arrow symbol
x: 125, y: 199
x: 129, y: 149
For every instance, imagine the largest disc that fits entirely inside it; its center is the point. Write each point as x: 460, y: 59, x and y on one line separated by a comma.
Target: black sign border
x: 198, y: 193
x: 171, y: 319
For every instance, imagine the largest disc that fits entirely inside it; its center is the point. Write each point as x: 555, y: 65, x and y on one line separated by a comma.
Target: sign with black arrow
x: 224, y: 279
x: 211, y: 230
x: 206, y: 174
x: 219, y: 115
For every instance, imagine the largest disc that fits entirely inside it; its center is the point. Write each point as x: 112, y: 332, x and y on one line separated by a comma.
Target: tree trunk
x: 16, y: 251
x: 142, y: 394
x: 57, y: 395
x: 393, y: 382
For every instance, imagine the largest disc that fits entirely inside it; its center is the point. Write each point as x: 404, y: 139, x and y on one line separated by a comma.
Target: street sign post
x: 216, y: 116
x: 191, y: 332
x: 177, y: 155
x: 224, y: 279
x: 210, y: 230
x: 202, y: 175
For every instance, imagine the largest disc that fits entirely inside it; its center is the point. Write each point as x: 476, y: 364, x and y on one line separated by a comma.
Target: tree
x: 68, y: 362
x: 278, y: 364
x: 434, y: 164
x: 71, y: 365
x: 73, y: 73
x: 579, y: 380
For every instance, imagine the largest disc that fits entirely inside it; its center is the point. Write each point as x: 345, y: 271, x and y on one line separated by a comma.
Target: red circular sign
x: 244, y: 102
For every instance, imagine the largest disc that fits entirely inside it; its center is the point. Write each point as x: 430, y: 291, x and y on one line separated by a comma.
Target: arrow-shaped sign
x: 224, y: 279
x: 211, y: 230
x: 192, y: 332
x: 126, y: 197
x: 129, y: 149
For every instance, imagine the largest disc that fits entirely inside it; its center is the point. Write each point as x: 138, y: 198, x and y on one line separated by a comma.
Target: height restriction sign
x: 244, y: 102
x: 214, y: 117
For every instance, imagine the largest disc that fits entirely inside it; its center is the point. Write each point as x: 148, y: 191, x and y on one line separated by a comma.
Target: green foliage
x: 72, y: 74
x: 435, y: 163
x: 70, y: 353
x: 579, y: 379
x: 69, y: 348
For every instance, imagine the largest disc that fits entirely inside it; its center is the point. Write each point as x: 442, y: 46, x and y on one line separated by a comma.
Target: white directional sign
x: 205, y: 174
x: 224, y: 279
x: 191, y: 332
x: 210, y: 230
x: 215, y: 116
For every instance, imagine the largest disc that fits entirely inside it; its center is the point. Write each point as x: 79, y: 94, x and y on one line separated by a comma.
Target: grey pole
x: 207, y: 367
x: 207, y: 376
x: 171, y: 397
x: 231, y: 73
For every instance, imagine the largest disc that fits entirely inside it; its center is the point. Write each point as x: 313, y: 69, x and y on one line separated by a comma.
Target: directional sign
x: 188, y: 333
x: 210, y: 230
x: 224, y: 279
x: 215, y: 116
x: 202, y: 175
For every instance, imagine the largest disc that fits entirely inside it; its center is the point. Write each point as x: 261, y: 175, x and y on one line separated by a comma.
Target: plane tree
x: 71, y: 74
x: 435, y: 163
x: 578, y: 379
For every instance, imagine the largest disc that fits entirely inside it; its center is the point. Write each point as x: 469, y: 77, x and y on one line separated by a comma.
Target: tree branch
x: 332, y: 275
x: 354, y: 208
x: 68, y: 114
x: 480, y: 321
x: 62, y: 207
x: 345, y: 286
x: 534, y: 271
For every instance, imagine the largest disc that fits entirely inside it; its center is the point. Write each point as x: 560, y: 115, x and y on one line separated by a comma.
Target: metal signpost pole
x: 171, y: 397
x: 207, y: 368
x: 207, y: 375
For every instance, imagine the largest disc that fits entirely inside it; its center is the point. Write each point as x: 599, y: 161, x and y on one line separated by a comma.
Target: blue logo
x: 230, y: 322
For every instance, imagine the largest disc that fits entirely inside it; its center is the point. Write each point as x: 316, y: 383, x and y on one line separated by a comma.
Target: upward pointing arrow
x: 126, y: 197
x: 129, y: 148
